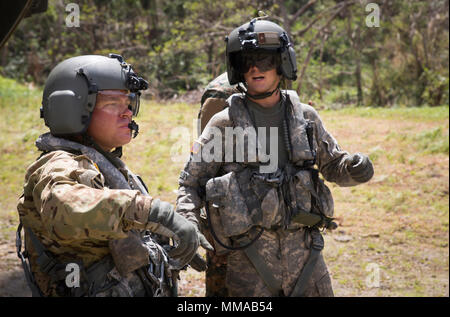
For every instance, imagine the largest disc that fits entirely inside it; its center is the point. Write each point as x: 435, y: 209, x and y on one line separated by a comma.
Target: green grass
x: 399, y: 113
x: 399, y: 220
x: 20, y: 126
x: 433, y: 141
x: 12, y: 93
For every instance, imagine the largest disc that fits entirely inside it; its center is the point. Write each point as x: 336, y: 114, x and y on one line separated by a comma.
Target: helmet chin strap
x: 259, y: 96
x: 263, y: 95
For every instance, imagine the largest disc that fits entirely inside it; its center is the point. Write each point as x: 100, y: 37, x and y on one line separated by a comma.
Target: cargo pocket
x: 303, y: 188
x: 225, y: 195
x: 325, y: 198
x: 270, y: 208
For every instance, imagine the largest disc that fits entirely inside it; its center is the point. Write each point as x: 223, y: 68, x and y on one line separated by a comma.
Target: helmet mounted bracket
x: 92, y: 90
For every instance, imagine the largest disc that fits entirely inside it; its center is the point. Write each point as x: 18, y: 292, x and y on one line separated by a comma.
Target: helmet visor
x: 264, y: 61
x: 134, y: 99
x: 121, y: 100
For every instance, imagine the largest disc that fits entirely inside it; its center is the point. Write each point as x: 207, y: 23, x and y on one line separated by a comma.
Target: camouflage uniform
x: 76, y: 205
x: 283, y: 245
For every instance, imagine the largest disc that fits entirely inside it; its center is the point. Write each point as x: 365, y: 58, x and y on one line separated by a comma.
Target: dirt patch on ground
x: 13, y: 284
x: 12, y: 278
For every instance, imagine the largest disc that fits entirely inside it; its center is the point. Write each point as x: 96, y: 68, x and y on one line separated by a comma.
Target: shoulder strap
x: 113, y: 176
x: 266, y: 274
x: 35, y: 291
x: 94, y: 275
x: 291, y: 98
x: 317, y: 244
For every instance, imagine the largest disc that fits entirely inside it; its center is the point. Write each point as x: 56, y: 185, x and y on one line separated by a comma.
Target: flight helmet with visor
x: 71, y: 90
x: 261, y: 43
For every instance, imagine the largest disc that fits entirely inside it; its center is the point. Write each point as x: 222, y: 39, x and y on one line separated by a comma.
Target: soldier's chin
x: 257, y: 91
x: 124, y: 139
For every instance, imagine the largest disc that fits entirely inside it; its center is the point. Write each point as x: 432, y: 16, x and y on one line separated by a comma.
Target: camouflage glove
x: 360, y: 167
x: 163, y: 220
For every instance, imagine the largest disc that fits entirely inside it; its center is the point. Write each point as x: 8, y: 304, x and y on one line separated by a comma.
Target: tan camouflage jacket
x: 330, y: 158
x: 71, y: 209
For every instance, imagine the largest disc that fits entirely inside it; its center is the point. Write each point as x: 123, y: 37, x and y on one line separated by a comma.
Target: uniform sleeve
x: 331, y: 159
x: 75, y: 204
x: 204, y: 163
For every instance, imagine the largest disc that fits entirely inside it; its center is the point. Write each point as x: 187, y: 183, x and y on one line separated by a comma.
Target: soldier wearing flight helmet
x: 264, y: 217
x: 91, y: 228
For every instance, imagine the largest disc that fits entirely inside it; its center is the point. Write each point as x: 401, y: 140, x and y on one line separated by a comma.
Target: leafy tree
x: 179, y: 45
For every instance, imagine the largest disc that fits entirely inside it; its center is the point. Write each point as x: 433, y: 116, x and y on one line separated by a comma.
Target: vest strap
x: 35, y: 291
x: 264, y: 272
x: 93, y: 277
x: 317, y: 244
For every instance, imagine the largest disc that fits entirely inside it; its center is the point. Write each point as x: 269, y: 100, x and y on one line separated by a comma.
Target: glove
x: 163, y: 220
x: 203, y: 241
x: 198, y: 263
x: 360, y: 167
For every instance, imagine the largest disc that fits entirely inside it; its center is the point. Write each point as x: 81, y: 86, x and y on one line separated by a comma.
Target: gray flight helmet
x: 260, y: 35
x: 71, y: 88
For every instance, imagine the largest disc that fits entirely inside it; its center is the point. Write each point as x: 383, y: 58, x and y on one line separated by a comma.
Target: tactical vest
x: 244, y: 200
x: 139, y: 252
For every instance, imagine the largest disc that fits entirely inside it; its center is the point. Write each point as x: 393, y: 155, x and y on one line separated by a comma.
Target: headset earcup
x: 288, y: 63
x: 65, y: 113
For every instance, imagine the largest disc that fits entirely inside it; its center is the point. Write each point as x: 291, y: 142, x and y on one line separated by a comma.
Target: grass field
x: 392, y: 238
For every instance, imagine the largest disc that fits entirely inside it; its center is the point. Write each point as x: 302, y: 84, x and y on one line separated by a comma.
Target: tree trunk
x: 4, y: 55
x: 287, y: 28
x: 210, y: 59
x: 377, y: 92
x: 358, y: 77
x: 305, y: 65
x: 359, y: 81
x: 355, y: 47
x: 152, y: 19
x: 322, y: 44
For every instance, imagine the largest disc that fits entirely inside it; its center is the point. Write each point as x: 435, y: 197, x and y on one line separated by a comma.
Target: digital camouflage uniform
x: 283, y: 244
x: 76, y: 205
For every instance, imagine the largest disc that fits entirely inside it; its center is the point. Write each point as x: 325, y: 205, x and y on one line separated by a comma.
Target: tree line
x: 369, y: 53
